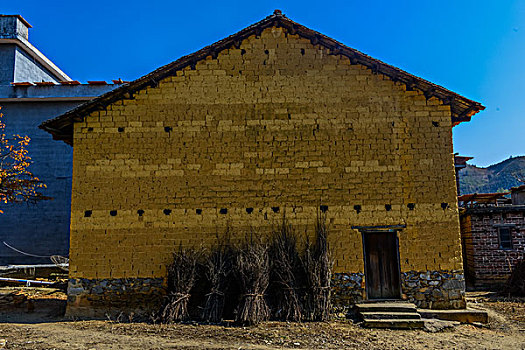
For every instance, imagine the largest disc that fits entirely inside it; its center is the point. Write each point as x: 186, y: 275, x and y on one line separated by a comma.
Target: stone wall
x: 428, y: 290
x: 278, y: 125
x: 111, y: 297
x: 142, y: 297
x: 348, y: 289
x: 434, y: 289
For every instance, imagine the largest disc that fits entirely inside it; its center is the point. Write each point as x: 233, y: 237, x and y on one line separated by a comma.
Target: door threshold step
x: 467, y: 315
x: 386, y: 307
x: 378, y: 315
x: 394, y: 323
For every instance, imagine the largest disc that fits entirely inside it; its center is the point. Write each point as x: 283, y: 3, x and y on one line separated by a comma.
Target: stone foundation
x: 142, y: 296
x: 112, y: 297
x: 348, y: 289
x: 434, y: 289
x: 428, y: 290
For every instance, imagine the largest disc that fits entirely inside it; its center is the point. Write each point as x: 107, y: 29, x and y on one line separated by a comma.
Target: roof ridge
x: 462, y: 107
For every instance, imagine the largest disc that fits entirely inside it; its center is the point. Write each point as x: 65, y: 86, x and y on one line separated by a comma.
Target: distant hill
x: 495, y: 178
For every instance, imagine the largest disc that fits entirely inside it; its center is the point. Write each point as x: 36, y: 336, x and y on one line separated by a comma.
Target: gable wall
x: 28, y: 69
x: 293, y: 127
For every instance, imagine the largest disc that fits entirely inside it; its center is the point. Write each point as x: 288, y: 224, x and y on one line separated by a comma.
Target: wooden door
x: 382, y: 274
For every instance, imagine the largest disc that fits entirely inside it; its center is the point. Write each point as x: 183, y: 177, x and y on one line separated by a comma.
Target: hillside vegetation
x: 498, y: 177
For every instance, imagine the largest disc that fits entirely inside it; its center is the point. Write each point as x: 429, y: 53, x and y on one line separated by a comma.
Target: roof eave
x: 462, y: 108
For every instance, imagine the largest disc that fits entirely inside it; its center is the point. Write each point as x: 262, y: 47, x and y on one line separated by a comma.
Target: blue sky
x: 475, y: 48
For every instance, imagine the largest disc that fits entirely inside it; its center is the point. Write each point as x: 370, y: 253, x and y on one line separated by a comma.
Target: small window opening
x: 113, y: 213
x: 388, y: 207
x: 357, y: 208
x: 198, y: 211
x: 167, y: 211
x: 275, y: 209
x: 505, y: 238
x: 223, y: 211
x: 324, y: 208
x: 88, y: 213
x: 249, y: 210
x: 140, y: 212
x: 120, y: 129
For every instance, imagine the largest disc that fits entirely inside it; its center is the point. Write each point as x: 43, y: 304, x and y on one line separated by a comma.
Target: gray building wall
x: 42, y: 228
x: 27, y: 69
x: 20, y: 61
x: 7, y: 63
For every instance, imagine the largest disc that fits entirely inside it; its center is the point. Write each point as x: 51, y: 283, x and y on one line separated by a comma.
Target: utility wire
x: 24, y: 253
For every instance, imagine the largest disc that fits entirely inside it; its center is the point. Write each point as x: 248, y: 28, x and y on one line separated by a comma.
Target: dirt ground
x: 38, y: 324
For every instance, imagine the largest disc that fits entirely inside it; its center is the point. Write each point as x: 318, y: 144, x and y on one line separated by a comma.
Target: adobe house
x: 275, y: 118
x: 493, y: 236
x: 32, y: 89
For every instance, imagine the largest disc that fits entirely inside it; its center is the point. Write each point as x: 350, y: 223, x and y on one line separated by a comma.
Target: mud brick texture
x: 277, y: 125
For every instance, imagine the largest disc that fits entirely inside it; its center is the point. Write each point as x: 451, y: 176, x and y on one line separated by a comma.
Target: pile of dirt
x: 12, y: 298
x: 34, y: 304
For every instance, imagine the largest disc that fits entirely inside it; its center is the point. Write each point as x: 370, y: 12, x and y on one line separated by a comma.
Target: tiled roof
x: 462, y: 108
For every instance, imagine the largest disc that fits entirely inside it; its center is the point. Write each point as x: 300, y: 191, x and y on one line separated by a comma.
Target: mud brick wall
x: 486, y: 264
x: 277, y: 125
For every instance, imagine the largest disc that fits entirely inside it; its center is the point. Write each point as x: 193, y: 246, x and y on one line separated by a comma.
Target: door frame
x: 394, y: 232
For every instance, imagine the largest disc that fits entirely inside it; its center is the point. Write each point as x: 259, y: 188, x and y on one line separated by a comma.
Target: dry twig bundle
x: 252, y: 267
x: 285, y: 270
x: 318, y: 268
x: 218, y: 266
x: 182, y: 274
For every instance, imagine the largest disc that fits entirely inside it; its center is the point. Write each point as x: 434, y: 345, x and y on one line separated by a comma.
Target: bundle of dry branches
x: 252, y: 268
x: 182, y: 274
x: 218, y: 266
x: 318, y: 264
x: 285, y: 273
x: 516, y: 283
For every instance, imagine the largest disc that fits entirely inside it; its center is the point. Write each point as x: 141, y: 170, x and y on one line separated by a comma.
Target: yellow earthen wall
x: 278, y: 122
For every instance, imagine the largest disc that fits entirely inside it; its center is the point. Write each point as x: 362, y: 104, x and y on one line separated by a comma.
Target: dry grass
x: 182, y: 274
x: 286, y: 274
x: 318, y: 264
x: 217, y: 266
x: 300, y: 283
x: 252, y: 268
